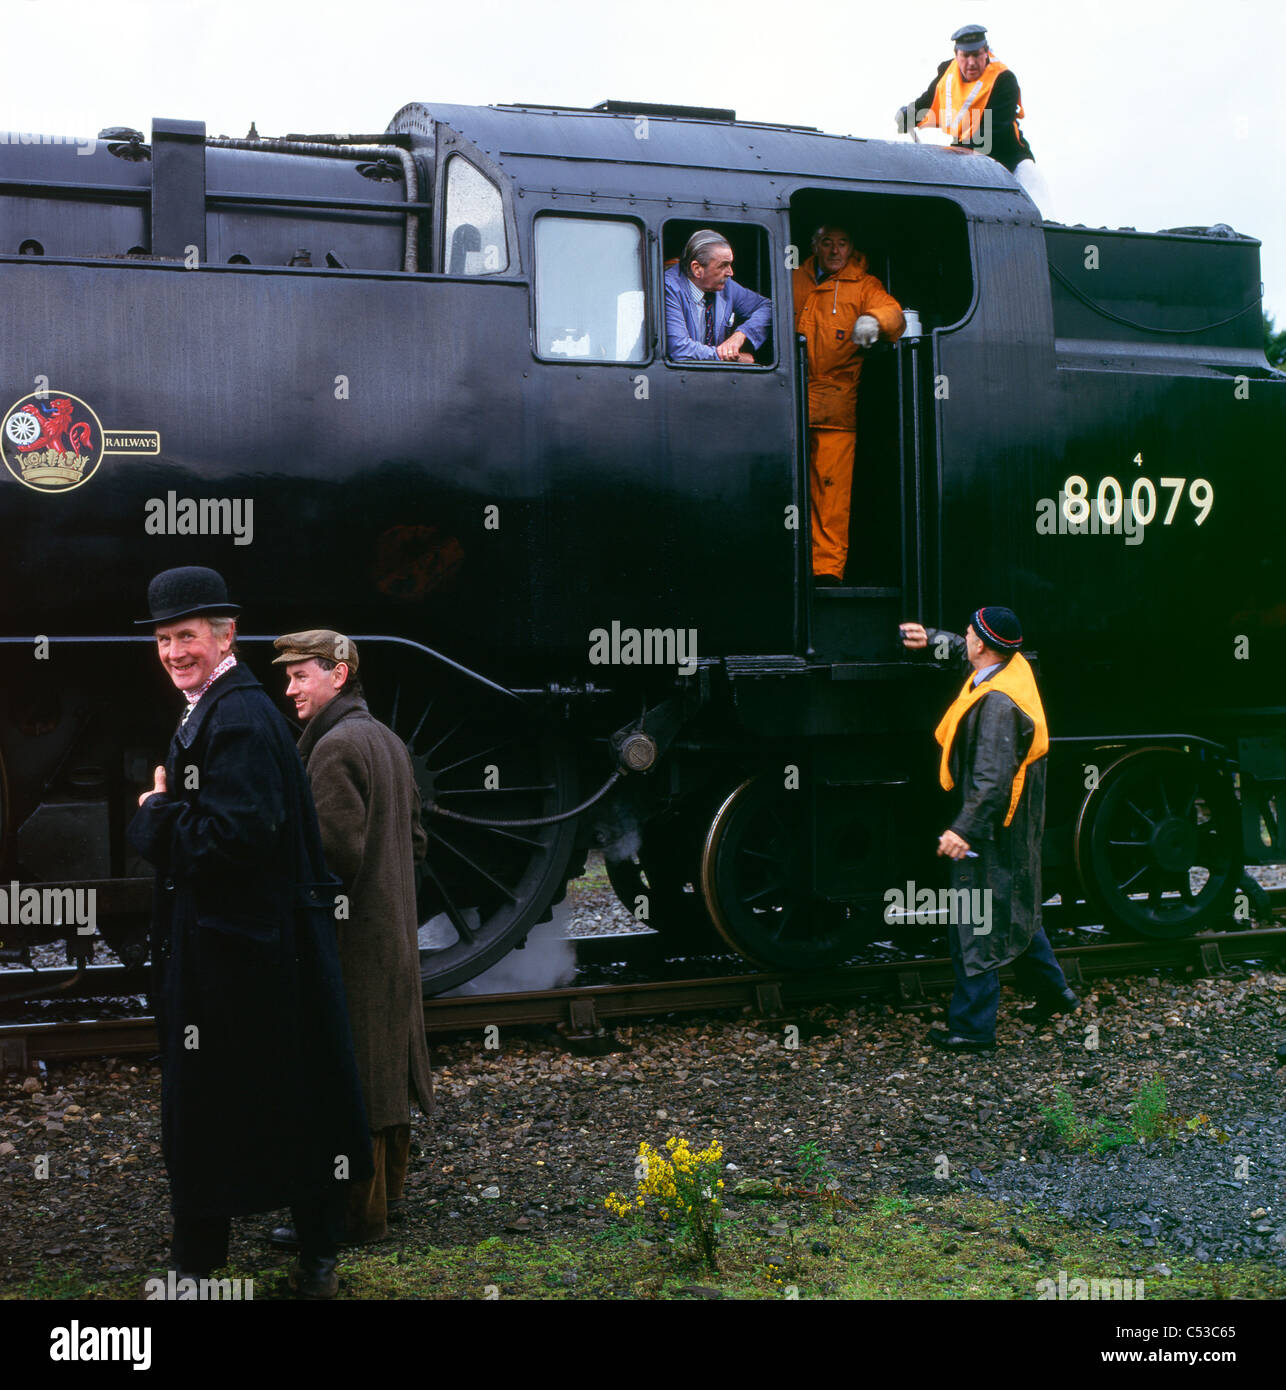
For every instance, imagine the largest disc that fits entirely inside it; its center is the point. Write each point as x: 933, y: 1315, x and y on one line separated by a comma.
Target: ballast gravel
x: 1209, y: 1198
x: 529, y: 1137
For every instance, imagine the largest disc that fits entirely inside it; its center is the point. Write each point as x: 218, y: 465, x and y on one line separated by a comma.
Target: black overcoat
x: 260, y: 1102
x: 991, y: 742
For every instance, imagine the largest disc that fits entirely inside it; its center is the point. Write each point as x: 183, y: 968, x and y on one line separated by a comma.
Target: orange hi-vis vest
x: 958, y: 106
x: 1015, y: 679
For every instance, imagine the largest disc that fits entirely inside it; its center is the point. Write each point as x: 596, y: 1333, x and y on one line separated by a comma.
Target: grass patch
x: 1150, y: 1120
x: 956, y: 1246
x: 594, y: 878
x: 57, y: 1284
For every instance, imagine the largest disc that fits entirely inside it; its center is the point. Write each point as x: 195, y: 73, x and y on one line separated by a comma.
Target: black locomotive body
x: 414, y: 386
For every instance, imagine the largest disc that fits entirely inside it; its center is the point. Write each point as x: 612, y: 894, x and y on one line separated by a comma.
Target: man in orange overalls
x: 840, y: 310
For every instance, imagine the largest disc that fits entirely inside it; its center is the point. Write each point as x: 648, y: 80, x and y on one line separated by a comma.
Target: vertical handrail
x: 803, y: 531
x: 904, y: 568
x: 917, y: 477
x: 911, y: 490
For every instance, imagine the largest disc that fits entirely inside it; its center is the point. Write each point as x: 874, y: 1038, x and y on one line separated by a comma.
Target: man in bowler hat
x: 260, y: 1101
x: 994, y: 739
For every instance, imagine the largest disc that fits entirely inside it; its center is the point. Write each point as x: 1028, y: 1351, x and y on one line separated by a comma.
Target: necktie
x: 708, y: 295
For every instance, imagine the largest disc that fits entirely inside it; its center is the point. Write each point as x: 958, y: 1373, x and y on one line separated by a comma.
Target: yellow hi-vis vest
x: 1015, y: 679
x: 955, y: 109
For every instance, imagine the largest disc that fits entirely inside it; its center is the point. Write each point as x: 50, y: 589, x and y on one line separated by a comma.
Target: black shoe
x: 1063, y: 1002
x: 314, y: 1276
x: 954, y: 1042
x: 827, y: 581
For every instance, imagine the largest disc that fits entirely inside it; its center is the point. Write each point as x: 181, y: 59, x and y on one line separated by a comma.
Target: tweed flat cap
x: 320, y: 642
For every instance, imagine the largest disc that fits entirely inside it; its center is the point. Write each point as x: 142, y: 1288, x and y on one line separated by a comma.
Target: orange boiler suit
x: 825, y: 315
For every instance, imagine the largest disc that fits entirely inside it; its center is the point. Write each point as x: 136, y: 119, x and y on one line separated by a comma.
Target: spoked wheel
x: 755, y: 881
x: 660, y: 885
x: 483, y: 887
x: 1158, y: 843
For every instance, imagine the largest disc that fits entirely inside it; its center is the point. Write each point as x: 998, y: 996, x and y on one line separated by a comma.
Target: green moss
x: 956, y: 1246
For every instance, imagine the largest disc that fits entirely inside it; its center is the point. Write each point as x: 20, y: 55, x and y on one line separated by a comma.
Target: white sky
x: 1141, y: 113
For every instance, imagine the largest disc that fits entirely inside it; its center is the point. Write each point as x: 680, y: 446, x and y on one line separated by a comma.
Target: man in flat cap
x: 260, y: 1101
x: 994, y: 740
x: 708, y: 316
x: 975, y: 100
x: 368, y: 806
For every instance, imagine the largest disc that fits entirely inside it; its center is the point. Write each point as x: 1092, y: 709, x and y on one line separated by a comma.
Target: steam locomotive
x: 415, y: 386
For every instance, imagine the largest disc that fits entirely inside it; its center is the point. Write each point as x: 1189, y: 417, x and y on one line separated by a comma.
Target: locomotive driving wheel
x: 483, y: 886
x: 1158, y: 843
x: 755, y: 881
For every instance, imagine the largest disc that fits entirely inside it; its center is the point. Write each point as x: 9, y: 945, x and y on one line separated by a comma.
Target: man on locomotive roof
x: 368, y: 807
x: 708, y: 316
x: 994, y: 740
x: 260, y: 1101
x: 975, y: 100
x: 841, y: 310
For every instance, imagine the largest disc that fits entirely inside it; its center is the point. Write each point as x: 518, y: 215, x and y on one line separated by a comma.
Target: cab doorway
x: 916, y: 249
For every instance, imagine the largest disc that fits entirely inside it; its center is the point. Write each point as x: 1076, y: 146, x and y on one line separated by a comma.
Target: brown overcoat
x: 368, y: 807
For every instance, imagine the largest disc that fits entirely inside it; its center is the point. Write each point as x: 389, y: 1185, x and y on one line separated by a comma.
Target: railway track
x: 581, y: 1012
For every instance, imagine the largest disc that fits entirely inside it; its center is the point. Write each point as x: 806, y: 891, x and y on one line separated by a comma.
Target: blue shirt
x: 980, y: 676
x: 736, y: 310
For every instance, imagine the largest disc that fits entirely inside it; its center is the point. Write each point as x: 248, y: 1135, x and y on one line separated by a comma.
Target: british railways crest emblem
x: 52, y: 441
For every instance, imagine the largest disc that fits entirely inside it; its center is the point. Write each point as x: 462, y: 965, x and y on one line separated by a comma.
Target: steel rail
x: 606, y: 948
x: 581, y: 1010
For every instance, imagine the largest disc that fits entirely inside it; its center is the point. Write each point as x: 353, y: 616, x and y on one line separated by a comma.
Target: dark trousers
x: 200, y: 1243
x: 973, y: 1004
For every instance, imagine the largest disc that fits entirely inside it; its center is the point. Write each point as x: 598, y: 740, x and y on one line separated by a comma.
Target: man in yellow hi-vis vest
x: 975, y: 100
x: 994, y: 740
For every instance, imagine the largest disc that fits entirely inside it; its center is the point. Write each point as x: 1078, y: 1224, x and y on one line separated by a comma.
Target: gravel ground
x: 1186, y: 1197
x: 595, y: 907
x: 531, y: 1137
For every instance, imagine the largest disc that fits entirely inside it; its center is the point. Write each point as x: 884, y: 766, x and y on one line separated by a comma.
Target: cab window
x: 589, y: 290
x: 474, y: 230
x: 734, y: 312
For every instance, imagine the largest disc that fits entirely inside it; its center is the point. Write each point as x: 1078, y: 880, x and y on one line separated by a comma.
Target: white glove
x: 866, y: 331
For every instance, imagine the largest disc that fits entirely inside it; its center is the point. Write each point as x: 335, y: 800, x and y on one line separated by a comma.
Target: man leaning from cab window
x: 708, y: 316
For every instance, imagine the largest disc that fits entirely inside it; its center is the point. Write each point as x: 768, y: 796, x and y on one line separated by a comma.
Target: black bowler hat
x: 186, y: 592
x: 999, y: 628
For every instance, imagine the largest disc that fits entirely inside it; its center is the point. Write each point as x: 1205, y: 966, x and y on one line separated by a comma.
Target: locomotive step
x: 855, y: 591
x: 857, y: 624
